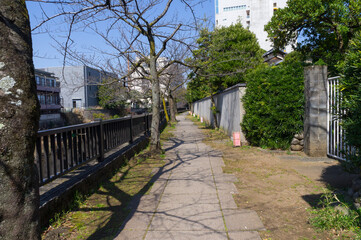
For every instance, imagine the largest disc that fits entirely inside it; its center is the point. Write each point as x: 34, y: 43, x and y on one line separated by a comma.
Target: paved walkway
x: 191, y: 197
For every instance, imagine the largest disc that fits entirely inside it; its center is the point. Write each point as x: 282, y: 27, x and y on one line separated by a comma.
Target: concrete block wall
x: 229, y: 107
x: 231, y: 111
x: 315, y: 120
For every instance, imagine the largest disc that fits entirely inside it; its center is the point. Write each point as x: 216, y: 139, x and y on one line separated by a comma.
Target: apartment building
x: 48, y: 91
x: 253, y: 14
x: 138, y: 82
x: 79, y: 85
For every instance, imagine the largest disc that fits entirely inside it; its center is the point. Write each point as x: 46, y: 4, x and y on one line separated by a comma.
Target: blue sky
x: 45, y: 52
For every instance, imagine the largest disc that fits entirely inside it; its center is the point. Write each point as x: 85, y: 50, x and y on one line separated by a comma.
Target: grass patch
x: 78, y: 201
x: 100, y: 214
x: 167, y: 132
x: 212, y: 134
x: 334, y: 212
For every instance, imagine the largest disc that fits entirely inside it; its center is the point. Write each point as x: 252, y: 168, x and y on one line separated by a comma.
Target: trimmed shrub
x: 351, y: 102
x: 274, y: 103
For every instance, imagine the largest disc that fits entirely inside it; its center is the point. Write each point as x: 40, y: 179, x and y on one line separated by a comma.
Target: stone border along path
x: 191, y: 197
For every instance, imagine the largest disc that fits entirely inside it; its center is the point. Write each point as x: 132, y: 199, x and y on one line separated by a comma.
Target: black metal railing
x: 60, y: 150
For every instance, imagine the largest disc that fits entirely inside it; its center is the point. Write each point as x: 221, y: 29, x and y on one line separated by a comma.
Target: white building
x: 253, y: 14
x: 138, y: 82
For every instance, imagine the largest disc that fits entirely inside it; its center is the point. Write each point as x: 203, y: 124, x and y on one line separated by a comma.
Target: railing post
x: 131, y: 128
x: 145, y: 123
x: 101, y: 141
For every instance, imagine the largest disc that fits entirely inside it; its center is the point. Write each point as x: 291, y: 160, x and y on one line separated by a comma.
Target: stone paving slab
x: 191, y: 197
x: 188, y: 218
x: 244, y: 235
x: 187, y: 199
x: 190, y: 185
x: 201, y: 172
x: 217, y: 170
x: 158, y: 187
x: 186, y: 235
x: 146, y: 203
x: 242, y: 220
x: 225, y: 178
x: 206, y: 176
x: 227, y: 187
x: 139, y: 220
x: 127, y: 234
x: 226, y: 200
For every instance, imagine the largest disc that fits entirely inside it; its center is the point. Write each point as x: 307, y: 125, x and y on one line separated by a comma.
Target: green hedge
x: 351, y: 102
x: 274, y: 103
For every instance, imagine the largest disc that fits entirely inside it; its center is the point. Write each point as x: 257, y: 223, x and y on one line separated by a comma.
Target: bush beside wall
x: 351, y: 102
x: 274, y: 103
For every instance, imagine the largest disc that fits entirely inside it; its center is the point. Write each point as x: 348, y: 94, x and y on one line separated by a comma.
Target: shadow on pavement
x: 116, y: 223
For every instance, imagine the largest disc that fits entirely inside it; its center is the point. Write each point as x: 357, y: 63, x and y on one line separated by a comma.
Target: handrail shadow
x: 113, y: 225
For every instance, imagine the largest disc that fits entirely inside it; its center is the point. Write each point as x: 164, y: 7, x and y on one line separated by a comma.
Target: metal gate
x: 336, y: 144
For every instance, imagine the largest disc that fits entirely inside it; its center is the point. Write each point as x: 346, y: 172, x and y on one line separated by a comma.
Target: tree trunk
x: 173, y: 107
x: 155, y: 133
x: 19, y: 116
x: 214, y: 112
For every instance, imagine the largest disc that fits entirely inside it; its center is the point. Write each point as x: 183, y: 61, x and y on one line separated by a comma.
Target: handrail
x: 63, y: 149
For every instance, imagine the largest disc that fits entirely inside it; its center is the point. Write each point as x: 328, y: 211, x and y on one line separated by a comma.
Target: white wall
x: 71, y: 84
x: 261, y: 12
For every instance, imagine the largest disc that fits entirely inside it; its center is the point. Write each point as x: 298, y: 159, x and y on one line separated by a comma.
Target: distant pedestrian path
x: 191, y: 197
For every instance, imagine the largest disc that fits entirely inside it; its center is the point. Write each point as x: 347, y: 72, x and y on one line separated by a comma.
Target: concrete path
x: 191, y: 197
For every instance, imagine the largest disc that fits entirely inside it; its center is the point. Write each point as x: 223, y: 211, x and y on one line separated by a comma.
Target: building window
x: 234, y: 8
x: 248, y: 13
x: 37, y: 80
x: 41, y: 98
x: 274, y: 5
x: 248, y: 24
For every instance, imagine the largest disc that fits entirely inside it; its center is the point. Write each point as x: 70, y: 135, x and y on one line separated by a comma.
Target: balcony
x: 47, y: 88
x: 50, y: 106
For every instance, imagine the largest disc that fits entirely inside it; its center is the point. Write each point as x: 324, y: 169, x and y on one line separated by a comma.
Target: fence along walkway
x: 336, y: 141
x: 61, y: 150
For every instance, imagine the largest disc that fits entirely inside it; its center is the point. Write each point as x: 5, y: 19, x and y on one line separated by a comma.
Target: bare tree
x: 174, y: 79
x: 136, y: 33
x: 19, y: 116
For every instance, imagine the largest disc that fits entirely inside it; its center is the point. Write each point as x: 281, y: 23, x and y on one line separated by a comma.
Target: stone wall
x: 297, y: 142
x: 229, y: 107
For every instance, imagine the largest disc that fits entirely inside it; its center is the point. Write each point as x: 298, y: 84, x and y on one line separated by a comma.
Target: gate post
x: 315, y: 121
